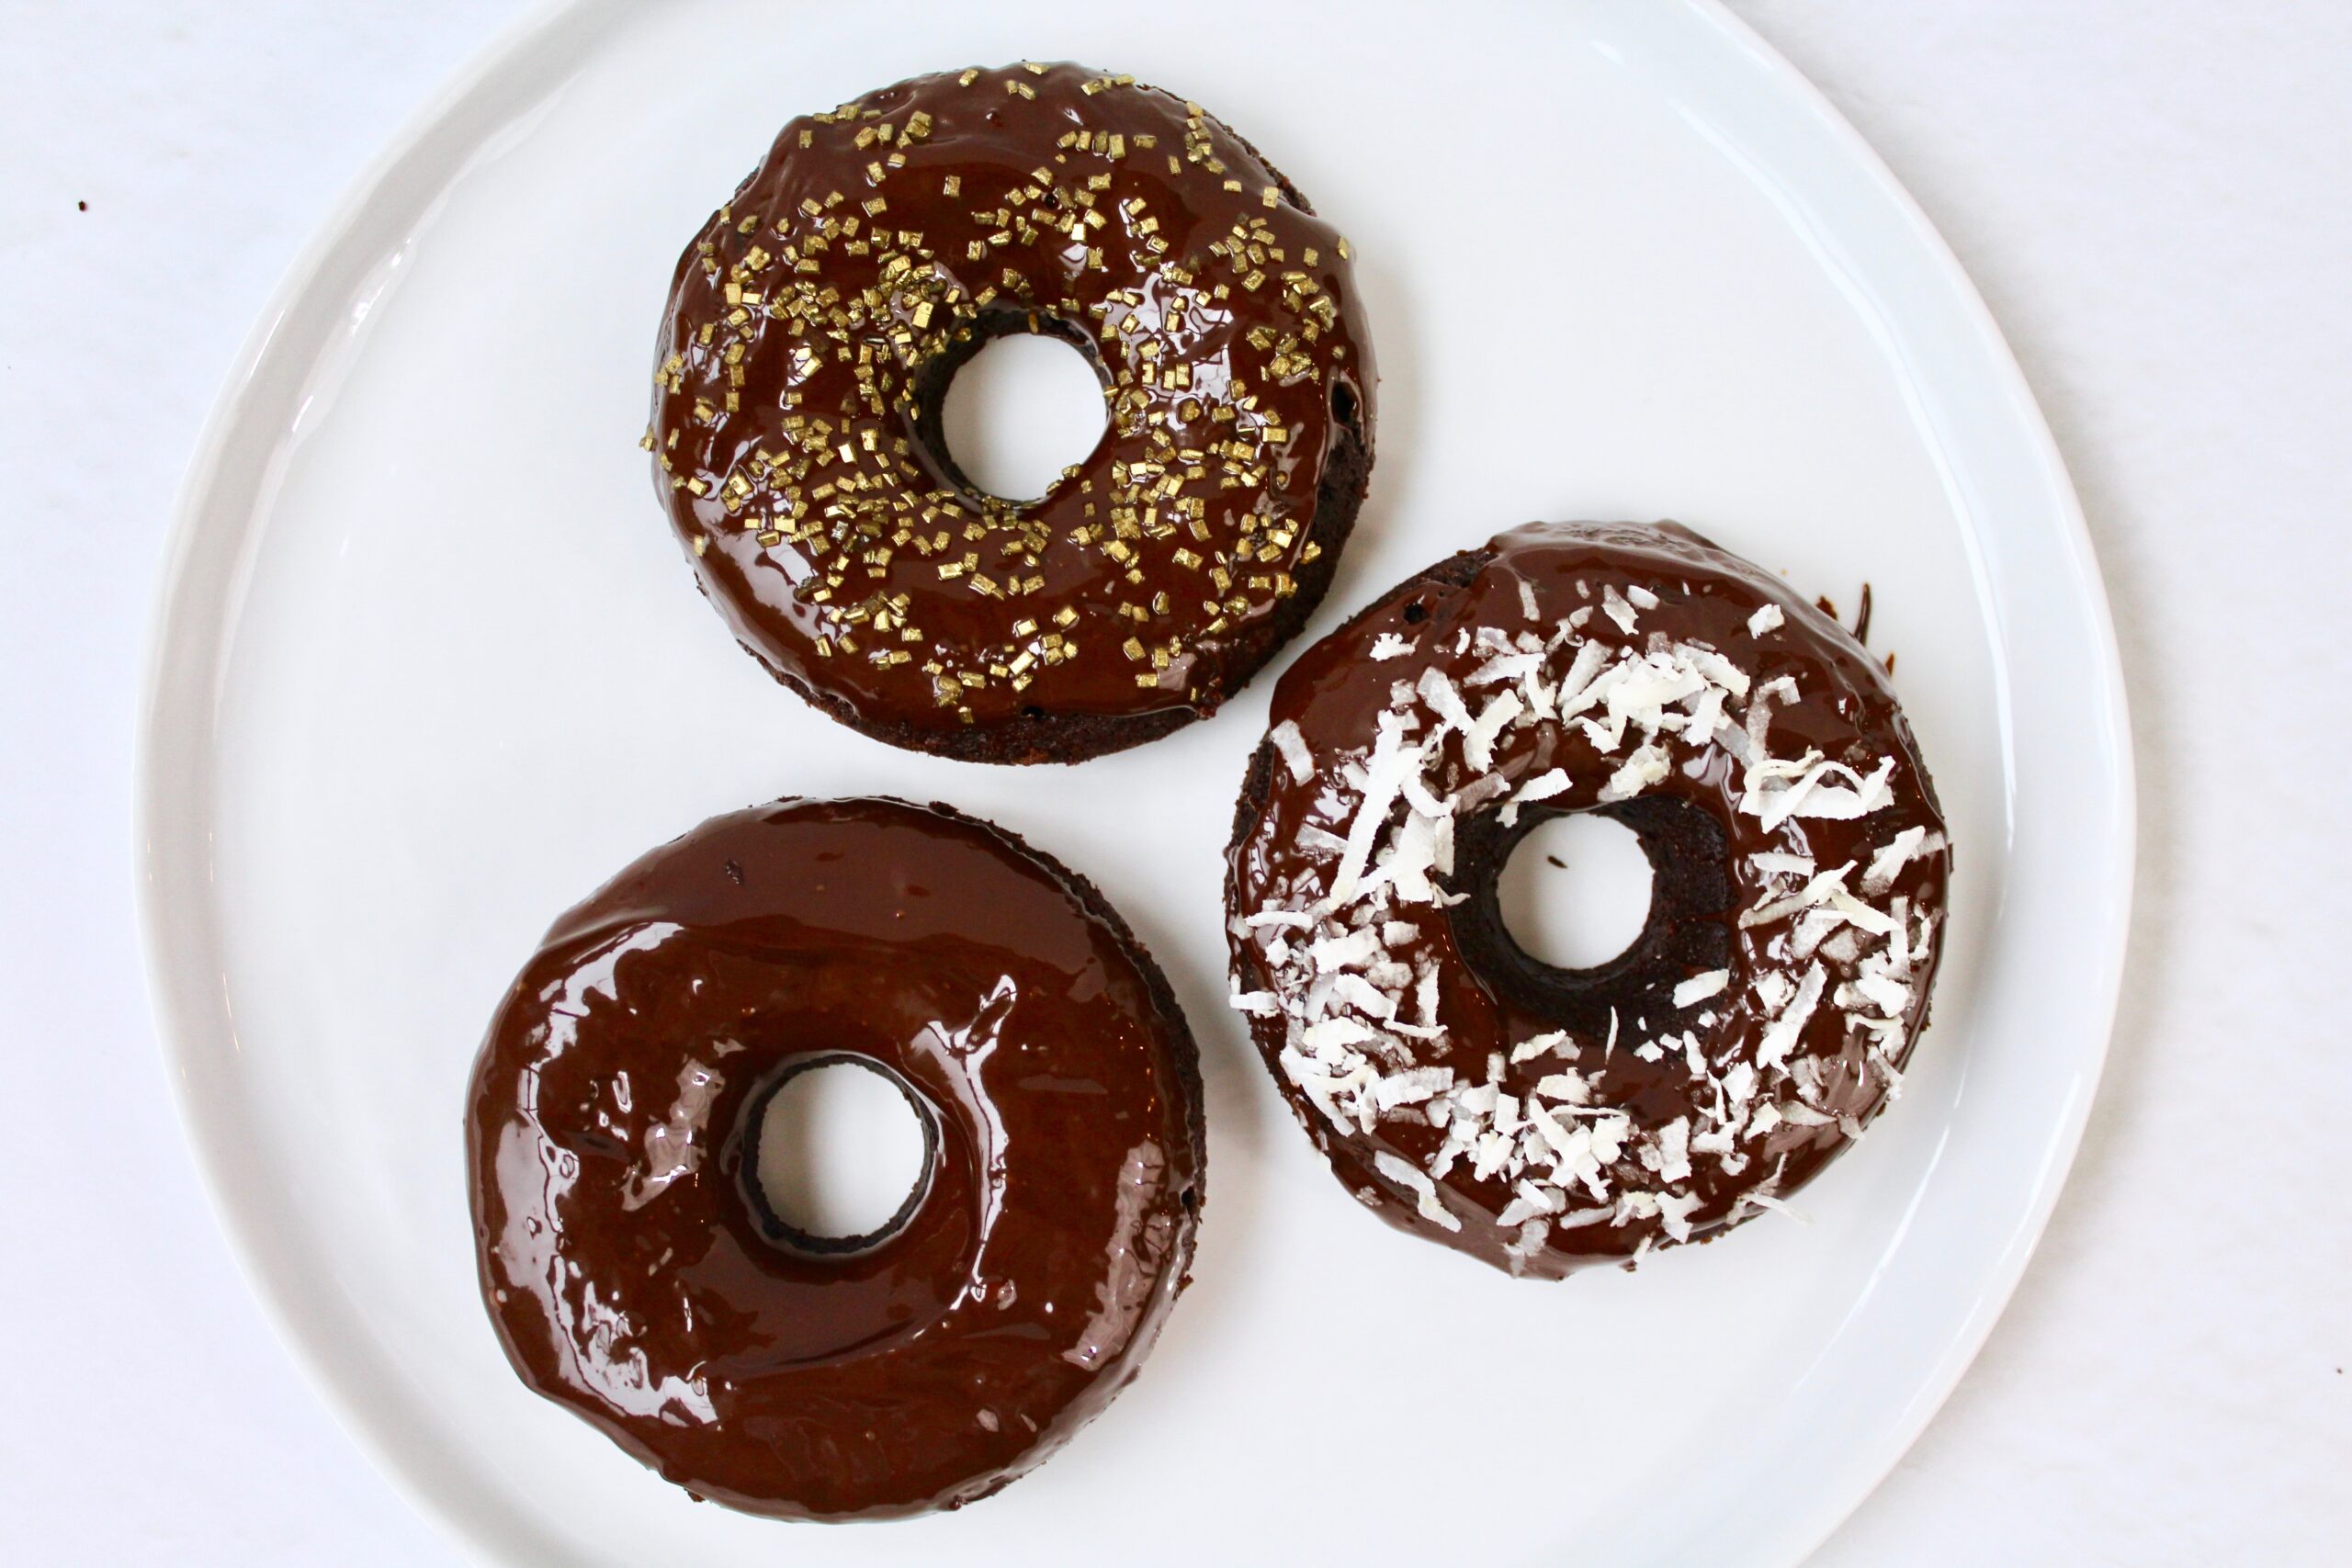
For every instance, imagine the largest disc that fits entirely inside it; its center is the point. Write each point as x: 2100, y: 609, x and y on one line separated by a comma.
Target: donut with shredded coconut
x: 1545, y: 1119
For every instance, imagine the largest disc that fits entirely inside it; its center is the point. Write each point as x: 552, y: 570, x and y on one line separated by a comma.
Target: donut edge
x: 1183, y: 1054
x: 1451, y: 574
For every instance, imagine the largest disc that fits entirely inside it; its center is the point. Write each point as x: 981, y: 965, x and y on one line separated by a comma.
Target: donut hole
x: 1576, y: 891
x: 837, y: 1154
x: 1022, y: 412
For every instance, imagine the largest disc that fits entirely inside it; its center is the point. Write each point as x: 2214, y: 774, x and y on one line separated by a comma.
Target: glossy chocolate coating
x: 629, y: 1272
x: 814, y: 324
x: 1492, y: 995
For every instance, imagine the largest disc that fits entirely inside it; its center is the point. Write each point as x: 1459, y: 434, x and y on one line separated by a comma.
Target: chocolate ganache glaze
x: 1544, y: 1119
x: 815, y: 324
x: 631, y: 1262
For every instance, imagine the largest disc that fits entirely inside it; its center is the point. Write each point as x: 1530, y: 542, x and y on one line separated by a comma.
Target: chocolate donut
x: 631, y: 1262
x: 1544, y: 1119
x: 815, y: 324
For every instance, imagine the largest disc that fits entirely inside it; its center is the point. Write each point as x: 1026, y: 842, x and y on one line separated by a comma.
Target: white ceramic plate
x: 431, y: 667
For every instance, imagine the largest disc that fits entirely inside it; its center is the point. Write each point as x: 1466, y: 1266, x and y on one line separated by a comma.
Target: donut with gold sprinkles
x: 813, y: 327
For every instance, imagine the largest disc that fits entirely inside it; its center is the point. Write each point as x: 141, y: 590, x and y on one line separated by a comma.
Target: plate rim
x: 194, y: 607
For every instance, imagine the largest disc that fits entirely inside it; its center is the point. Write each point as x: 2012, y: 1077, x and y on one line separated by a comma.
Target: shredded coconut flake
x: 1536, y: 1045
x: 1782, y: 1036
x: 1613, y: 606
x: 1698, y: 987
x: 1900, y: 850
x: 1643, y: 769
x: 1257, y: 1004
x: 1292, y: 747
x: 1416, y: 1180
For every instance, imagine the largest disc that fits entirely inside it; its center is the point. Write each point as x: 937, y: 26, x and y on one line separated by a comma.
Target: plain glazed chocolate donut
x: 630, y: 1263
x: 814, y: 325
x: 1544, y: 1119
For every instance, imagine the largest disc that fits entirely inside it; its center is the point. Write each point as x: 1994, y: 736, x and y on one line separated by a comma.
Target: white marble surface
x: 2152, y: 195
